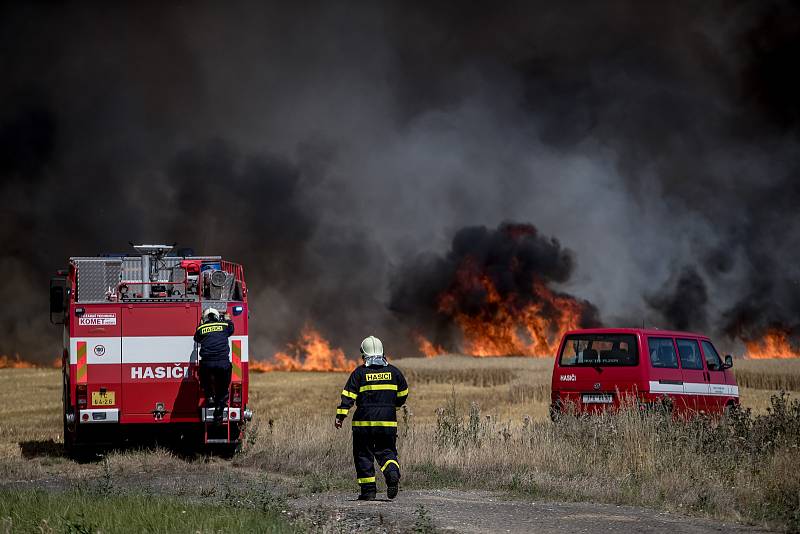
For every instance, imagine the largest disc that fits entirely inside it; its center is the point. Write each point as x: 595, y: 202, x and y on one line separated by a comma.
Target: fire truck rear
x: 130, y: 362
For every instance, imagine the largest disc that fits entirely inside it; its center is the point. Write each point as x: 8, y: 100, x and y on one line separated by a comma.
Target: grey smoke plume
x: 324, y: 146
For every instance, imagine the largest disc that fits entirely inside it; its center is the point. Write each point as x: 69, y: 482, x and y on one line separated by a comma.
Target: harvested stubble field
x: 470, y: 423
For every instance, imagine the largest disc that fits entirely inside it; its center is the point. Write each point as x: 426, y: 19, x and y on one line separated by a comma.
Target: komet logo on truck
x: 98, y: 319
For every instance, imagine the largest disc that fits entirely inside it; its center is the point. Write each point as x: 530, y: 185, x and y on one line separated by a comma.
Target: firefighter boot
x: 392, y: 483
x: 368, y: 492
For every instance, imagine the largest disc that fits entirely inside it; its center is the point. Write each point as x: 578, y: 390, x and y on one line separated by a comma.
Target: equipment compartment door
x: 95, y: 351
x: 159, y: 361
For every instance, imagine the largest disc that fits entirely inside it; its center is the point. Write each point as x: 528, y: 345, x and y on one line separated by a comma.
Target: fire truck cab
x: 129, y: 359
x: 602, y: 368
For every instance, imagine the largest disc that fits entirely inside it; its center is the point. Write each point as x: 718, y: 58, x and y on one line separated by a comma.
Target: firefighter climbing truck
x: 130, y: 365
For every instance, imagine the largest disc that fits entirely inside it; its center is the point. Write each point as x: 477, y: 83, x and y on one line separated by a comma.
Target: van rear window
x: 604, y: 350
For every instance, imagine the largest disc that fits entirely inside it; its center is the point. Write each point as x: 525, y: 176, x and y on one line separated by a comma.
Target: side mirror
x: 57, y: 300
x: 728, y: 362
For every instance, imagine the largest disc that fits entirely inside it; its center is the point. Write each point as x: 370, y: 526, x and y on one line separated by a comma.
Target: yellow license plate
x: 102, y: 399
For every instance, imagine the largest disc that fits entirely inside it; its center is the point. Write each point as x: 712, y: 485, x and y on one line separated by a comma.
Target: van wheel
x: 665, y: 405
x: 555, y: 413
x: 730, y: 410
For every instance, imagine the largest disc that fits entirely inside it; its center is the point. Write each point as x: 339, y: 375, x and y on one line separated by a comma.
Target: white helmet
x: 372, y: 351
x: 210, y: 314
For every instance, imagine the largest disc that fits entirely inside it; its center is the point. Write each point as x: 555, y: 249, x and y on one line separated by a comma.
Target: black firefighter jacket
x: 377, y: 393
x: 213, y: 339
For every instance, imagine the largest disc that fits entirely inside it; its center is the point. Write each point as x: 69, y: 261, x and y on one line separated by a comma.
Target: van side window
x: 599, y: 350
x: 662, y: 352
x: 690, y: 354
x: 712, y: 357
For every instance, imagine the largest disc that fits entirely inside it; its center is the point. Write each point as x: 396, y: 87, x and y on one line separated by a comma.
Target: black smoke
x: 682, y: 302
x: 326, y: 145
x: 513, y: 258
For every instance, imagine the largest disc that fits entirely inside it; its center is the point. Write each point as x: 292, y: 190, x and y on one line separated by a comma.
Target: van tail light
x: 80, y: 395
x: 236, y: 395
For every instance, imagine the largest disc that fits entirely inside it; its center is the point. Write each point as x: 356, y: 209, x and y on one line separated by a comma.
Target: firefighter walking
x: 377, y: 389
x: 215, y: 365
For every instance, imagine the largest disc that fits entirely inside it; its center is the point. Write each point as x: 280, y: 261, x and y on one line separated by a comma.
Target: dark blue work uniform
x: 377, y: 392
x: 215, y: 362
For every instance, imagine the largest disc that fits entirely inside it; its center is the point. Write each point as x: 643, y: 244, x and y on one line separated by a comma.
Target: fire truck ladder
x: 216, y: 436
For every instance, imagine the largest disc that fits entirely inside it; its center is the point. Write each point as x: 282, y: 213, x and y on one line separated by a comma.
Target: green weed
x: 81, y: 513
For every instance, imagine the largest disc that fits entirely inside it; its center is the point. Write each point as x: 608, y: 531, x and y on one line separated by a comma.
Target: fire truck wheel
x: 79, y: 452
x: 227, y: 451
x: 74, y: 449
x: 69, y: 439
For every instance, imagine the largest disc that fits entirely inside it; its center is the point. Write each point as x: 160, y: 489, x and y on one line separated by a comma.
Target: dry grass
x: 481, y: 422
x: 470, y: 422
x: 768, y: 374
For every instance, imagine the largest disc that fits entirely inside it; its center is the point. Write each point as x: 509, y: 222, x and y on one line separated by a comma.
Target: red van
x: 596, y: 368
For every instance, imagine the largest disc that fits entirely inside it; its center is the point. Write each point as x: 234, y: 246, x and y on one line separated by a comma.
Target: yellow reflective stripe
x: 366, y: 480
x: 390, y: 462
x: 377, y: 387
x: 374, y: 423
x: 403, y: 393
x: 211, y: 324
x: 341, y: 411
x: 349, y: 394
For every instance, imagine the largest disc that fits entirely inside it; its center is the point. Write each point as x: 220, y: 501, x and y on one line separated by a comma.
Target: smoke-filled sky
x: 331, y: 148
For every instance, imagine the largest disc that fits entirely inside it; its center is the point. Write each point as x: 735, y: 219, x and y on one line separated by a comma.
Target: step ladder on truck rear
x: 129, y: 361
x: 220, y: 434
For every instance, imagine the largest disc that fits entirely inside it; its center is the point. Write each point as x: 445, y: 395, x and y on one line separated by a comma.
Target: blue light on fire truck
x: 237, y: 310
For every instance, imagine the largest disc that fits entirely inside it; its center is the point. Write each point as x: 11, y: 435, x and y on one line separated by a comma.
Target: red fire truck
x: 130, y: 362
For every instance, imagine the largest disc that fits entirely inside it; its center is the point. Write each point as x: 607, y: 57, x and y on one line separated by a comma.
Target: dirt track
x: 413, y: 511
x: 479, y: 511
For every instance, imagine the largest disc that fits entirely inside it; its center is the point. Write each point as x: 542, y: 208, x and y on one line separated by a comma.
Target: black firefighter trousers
x: 215, y: 378
x: 369, y: 445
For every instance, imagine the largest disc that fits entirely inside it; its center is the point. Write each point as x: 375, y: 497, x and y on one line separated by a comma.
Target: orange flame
x: 311, y: 352
x: 774, y: 344
x: 259, y: 366
x: 504, y: 326
x: 427, y: 348
x: 16, y: 362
